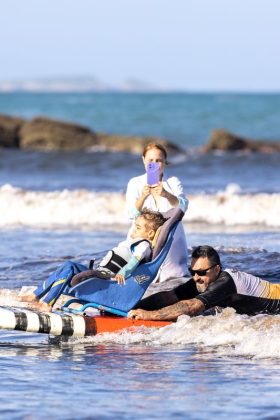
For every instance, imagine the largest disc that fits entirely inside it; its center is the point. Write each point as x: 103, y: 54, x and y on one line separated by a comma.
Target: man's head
x: 205, y: 266
x: 146, y: 224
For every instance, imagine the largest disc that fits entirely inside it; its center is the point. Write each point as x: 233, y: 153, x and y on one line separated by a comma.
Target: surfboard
x: 67, y: 324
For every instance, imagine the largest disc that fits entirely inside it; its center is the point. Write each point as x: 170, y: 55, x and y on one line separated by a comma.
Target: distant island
x: 80, y: 84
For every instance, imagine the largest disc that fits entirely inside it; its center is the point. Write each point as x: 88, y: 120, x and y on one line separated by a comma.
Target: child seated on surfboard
x: 119, y: 262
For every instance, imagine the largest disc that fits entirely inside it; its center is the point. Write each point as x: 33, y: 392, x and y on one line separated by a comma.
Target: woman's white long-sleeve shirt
x: 175, y: 264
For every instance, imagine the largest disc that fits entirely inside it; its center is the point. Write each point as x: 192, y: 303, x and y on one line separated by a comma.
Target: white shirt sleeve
x: 174, y: 186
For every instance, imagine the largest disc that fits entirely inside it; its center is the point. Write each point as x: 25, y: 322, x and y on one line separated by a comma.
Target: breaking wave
x: 224, y: 335
x: 83, y: 207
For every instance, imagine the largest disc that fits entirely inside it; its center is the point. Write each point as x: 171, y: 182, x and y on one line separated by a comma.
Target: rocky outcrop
x: 9, y: 131
x: 225, y: 141
x: 133, y: 144
x: 47, y: 134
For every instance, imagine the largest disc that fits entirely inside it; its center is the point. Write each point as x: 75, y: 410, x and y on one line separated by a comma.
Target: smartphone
x: 152, y: 173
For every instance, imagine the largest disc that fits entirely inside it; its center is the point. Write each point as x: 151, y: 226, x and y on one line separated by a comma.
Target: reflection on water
x: 91, y: 379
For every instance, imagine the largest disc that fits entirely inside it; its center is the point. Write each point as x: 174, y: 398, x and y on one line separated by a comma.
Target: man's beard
x: 201, y: 287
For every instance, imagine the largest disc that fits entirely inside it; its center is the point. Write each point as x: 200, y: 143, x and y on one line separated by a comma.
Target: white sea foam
x: 65, y: 208
x: 225, y: 335
x: 231, y: 208
x: 100, y: 209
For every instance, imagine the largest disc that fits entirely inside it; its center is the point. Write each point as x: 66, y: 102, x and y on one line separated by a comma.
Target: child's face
x: 141, y: 230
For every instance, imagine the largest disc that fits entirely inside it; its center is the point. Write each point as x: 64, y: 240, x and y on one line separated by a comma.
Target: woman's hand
x: 159, y: 191
x: 146, y: 191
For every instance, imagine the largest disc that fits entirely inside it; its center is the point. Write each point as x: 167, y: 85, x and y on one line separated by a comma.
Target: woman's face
x: 155, y: 155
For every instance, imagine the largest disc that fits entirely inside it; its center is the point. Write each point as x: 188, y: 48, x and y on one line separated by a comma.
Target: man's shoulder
x: 219, y: 290
x: 226, y: 273
x: 187, y: 289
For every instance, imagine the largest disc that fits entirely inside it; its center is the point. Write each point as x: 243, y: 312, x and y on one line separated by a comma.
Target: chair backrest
x: 173, y: 215
x: 123, y: 298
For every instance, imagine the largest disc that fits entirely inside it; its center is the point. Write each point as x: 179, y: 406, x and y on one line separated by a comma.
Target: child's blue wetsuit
x: 58, y: 282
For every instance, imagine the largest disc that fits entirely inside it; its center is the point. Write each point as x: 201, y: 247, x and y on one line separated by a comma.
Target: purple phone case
x: 152, y: 173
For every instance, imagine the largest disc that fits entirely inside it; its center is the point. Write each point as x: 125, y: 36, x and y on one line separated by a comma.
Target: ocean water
x: 58, y: 206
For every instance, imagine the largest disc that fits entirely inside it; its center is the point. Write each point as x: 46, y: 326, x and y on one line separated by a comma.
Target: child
x: 120, y: 262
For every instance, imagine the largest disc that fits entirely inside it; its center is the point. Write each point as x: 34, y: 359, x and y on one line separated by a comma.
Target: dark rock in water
x: 47, y: 134
x: 225, y: 141
x: 134, y: 144
x: 9, y: 130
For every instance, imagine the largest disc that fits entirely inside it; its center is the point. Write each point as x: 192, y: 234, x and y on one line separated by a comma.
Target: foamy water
x: 94, y: 209
x: 226, y: 334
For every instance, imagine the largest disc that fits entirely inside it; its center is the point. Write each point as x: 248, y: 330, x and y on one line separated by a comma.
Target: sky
x: 196, y: 45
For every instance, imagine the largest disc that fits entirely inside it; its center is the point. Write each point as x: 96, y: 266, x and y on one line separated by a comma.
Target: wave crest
x: 224, y: 335
x: 87, y: 208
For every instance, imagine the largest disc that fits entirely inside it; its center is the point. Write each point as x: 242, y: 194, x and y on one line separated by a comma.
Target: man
x: 211, y: 286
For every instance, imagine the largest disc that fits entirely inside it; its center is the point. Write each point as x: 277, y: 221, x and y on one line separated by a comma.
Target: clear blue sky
x: 189, y: 44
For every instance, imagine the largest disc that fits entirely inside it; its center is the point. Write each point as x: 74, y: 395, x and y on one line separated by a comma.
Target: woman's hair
x: 206, y: 251
x: 158, y: 146
x: 154, y: 219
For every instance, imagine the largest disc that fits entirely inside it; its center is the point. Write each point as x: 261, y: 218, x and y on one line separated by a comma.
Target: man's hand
x: 120, y: 279
x: 138, y: 314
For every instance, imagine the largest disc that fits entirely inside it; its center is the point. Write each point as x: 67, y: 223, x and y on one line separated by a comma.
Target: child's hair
x: 158, y: 146
x: 154, y: 219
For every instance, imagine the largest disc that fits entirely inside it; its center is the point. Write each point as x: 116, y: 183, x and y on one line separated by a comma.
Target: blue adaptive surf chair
x: 109, y: 295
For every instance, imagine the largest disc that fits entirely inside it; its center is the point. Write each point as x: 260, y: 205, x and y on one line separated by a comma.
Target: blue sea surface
x: 108, y: 171
x: 90, y: 381
x: 123, y: 377
x: 185, y: 118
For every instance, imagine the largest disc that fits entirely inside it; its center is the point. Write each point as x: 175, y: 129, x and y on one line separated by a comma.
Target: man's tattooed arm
x: 170, y: 313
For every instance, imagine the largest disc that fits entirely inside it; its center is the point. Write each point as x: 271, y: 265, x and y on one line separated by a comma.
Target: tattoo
x: 184, y: 307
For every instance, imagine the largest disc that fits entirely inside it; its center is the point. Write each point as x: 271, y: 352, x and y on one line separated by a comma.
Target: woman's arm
x: 140, y: 201
x: 173, y: 193
x: 160, y: 191
x: 136, y: 195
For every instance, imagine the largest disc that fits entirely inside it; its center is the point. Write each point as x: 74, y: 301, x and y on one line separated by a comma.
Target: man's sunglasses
x: 200, y: 272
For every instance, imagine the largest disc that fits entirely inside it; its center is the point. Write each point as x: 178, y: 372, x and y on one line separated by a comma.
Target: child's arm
x: 141, y: 251
x: 127, y: 270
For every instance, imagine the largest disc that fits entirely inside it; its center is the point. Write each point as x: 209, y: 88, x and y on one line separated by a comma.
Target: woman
x: 163, y: 196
